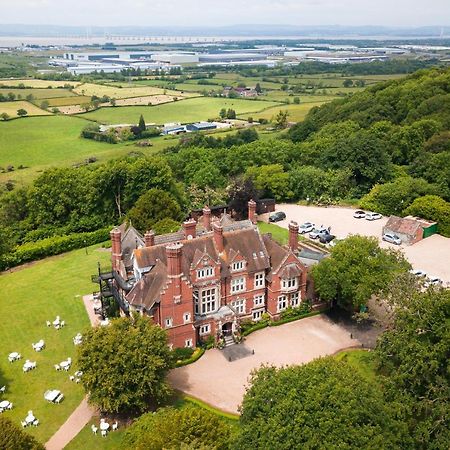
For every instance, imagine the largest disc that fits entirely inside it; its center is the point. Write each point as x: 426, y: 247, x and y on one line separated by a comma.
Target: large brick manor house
x: 204, y: 279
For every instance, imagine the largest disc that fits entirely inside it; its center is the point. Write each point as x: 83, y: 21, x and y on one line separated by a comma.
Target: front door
x: 227, y: 329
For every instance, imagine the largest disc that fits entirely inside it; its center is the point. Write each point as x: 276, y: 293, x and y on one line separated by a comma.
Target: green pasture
x: 31, y: 295
x: 189, y: 110
x: 11, y: 109
x: 67, y: 101
x: 296, y: 112
x: 38, y: 93
x: 32, y: 83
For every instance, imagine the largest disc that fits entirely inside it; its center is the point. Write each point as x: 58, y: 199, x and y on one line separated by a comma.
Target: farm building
x: 201, y: 126
x: 410, y: 229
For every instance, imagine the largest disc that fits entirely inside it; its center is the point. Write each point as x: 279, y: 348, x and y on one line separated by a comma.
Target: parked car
x: 392, y: 238
x: 373, y: 216
x: 315, y: 234
x: 418, y: 273
x: 359, y: 214
x: 277, y: 216
x: 432, y: 281
x: 326, y: 238
x: 306, y: 227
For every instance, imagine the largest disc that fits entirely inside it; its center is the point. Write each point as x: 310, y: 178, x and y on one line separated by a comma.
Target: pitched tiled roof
x: 403, y: 225
x: 276, y: 252
x: 131, y: 239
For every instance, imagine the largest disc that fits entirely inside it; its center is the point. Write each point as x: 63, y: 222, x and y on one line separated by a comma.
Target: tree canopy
x: 323, y: 404
x: 13, y: 438
x: 187, y: 428
x: 357, y: 269
x: 125, y: 364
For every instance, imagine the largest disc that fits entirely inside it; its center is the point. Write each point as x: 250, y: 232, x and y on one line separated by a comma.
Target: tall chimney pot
x: 189, y: 228
x: 218, y: 237
x: 293, y: 236
x: 116, y: 248
x: 207, y: 218
x: 252, y: 211
x: 149, y: 238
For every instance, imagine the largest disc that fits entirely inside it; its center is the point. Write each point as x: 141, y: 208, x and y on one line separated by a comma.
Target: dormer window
x: 289, y: 283
x: 205, y: 272
x: 237, y: 266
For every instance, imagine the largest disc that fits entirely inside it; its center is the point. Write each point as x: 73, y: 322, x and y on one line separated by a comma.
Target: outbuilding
x: 410, y: 229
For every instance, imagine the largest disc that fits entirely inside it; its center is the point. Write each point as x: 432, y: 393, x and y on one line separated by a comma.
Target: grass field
x: 64, y: 101
x: 30, y: 296
x: 90, y: 89
x: 296, y: 112
x: 11, y: 108
x: 39, y: 93
x: 189, y: 110
x: 37, y: 83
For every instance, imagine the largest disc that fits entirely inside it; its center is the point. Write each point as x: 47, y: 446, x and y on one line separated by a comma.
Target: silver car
x: 392, y: 238
x: 306, y: 227
x: 315, y: 234
x: 373, y: 216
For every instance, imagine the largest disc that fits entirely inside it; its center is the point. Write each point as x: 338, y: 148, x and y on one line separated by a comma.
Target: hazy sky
x: 226, y: 12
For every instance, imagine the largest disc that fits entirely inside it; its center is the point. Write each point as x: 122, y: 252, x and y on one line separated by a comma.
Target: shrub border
x: 198, y: 353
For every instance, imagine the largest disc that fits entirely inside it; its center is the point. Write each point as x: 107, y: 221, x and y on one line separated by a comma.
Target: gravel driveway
x: 221, y: 383
x: 431, y: 254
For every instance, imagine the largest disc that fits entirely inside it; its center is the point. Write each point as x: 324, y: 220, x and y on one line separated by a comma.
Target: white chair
x: 10, y: 406
x: 104, y: 433
x: 59, y: 399
x: 72, y: 378
x: 3, y: 389
x: 25, y: 369
x: 63, y: 323
x: 69, y: 359
x: 57, y: 367
x: 67, y: 368
x: 36, y: 422
x: 24, y: 424
x: 19, y: 356
x: 94, y: 429
x: 77, y: 380
x: 49, y: 324
x: 33, y: 365
x: 115, y: 425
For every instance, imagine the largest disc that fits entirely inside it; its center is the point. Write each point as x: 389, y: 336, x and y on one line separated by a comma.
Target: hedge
x: 32, y: 251
x: 199, y: 352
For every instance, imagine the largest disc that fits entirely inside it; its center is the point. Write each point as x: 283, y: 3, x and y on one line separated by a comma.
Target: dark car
x: 326, y: 238
x: 277, y: 216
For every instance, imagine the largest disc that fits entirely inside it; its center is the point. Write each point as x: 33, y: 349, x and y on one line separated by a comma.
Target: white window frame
x: 205, y: 272
x: 196, y: 299
x: 257, y: 315
x: 259, y: 280
x: 187, y: 317
x: 239, y: 306
x: 295, y: 299
x: 188, y: 343
x: 205, y: 329
x: 237, y: 285
x: 237, y: 266
x: 208, y: 301
x: 169, y: 322
x: 258, y: 300
x: 289, y: 283
x: 282, y: 303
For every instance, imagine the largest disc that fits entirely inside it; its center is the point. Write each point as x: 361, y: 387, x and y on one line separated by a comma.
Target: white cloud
x: 214, y: 12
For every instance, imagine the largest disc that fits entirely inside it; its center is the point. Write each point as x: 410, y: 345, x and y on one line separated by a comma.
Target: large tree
x: 153, y: 206
x: 357, y: 269
x: 414, y: 357
x: 320, y: 405
x: 125, y: 364
x: 13, y: 438
x: 187, y: 428
x: 240, y: 192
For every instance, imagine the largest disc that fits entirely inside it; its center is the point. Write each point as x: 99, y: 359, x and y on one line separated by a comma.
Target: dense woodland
x: 385, y: 148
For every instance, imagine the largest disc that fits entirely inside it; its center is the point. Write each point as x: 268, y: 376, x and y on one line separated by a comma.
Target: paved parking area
x: 221, y: 383
x: 431, y: 254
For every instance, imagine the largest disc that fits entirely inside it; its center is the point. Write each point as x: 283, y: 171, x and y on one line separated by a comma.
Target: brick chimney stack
x: 218, y: 237
x: 293, y: 236
x: 252, y: 211
x: 189, y: 228
x: 116, y: 248
x: 173, y: 254
x: 207, y: 218
x: 149, y: 238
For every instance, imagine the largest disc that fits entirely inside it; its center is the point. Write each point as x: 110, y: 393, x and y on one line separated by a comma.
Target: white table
x: 104, y: 426
x: 13, y: 355
x: 4, y: 404
x: 29, y: 365
x: 30, y: 419
x: 51, y: 396
x: 64, y: 364
x: 39, y: 346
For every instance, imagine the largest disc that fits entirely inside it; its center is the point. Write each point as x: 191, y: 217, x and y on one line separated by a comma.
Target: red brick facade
x: 205, y: 279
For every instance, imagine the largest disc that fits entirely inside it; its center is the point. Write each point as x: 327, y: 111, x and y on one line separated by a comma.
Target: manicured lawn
x: 30, y: 296
x: 11, y: 108
x: 189, y: 110
x: 281, y: 235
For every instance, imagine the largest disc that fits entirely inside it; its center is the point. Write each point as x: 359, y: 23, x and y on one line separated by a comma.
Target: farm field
x: 11, y: 108
x: 38, y: 93
x: 32, y: 83
x: 89, y: 89
x: 53, y: 287
x: 65, y: 101
x: 296, y: 112
x: 189, y: 110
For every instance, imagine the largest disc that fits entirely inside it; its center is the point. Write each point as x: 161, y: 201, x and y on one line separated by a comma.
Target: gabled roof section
x: 131, y: 239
